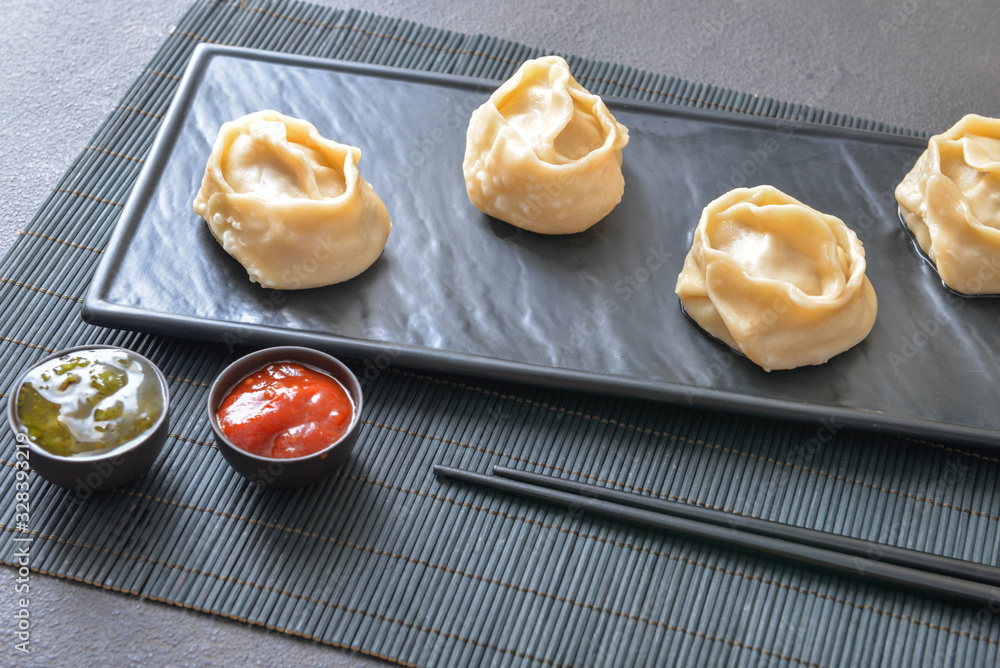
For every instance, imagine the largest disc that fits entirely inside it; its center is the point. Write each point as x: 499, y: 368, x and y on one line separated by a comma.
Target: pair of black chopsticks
x: 920, y: 572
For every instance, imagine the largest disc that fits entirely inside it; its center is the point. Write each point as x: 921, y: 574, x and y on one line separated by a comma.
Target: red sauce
x: 286, y: 410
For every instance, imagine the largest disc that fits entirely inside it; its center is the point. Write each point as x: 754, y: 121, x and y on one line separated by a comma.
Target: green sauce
x: 89, y: 401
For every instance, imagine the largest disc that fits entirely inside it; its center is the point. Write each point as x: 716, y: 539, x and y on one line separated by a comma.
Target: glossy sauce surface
x: 286, y: 410
x: 89, y: 401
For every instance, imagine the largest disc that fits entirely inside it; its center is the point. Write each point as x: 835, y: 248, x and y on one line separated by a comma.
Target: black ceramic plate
x: 456, y: 290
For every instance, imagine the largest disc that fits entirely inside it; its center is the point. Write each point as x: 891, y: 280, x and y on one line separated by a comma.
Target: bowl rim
x: 281, y: 354
x: 21, y: 435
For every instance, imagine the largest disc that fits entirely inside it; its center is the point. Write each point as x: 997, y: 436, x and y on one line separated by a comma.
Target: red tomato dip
x: 285, y: 410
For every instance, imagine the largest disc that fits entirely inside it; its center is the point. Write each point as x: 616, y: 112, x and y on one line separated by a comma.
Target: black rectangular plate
x: 458, y: 291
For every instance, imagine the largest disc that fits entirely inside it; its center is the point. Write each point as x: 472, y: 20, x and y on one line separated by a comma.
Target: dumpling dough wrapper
x: 777, y: 280
x: 950, y: 200
x: 289, y: 204
x: 543, y: 153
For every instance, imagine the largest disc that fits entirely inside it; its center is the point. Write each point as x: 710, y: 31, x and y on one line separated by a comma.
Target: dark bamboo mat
x: 384, y: 558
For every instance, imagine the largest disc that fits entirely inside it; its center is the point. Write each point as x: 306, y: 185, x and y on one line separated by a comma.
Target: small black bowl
x: 101, y: 471
x: 296, y: 471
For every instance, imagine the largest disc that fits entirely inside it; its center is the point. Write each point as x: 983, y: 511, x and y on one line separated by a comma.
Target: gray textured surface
x: 65, y: 65
x: 75, y: 624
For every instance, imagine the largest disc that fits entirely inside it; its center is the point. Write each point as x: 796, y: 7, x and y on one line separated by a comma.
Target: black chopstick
x: 923, y: 561
x: 947, y: 587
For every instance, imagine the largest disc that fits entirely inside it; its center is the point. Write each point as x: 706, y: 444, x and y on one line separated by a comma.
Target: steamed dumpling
x: 290, y: 205
x: 950, y: 200
x: 543, y: 153
x: 777, y: 280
